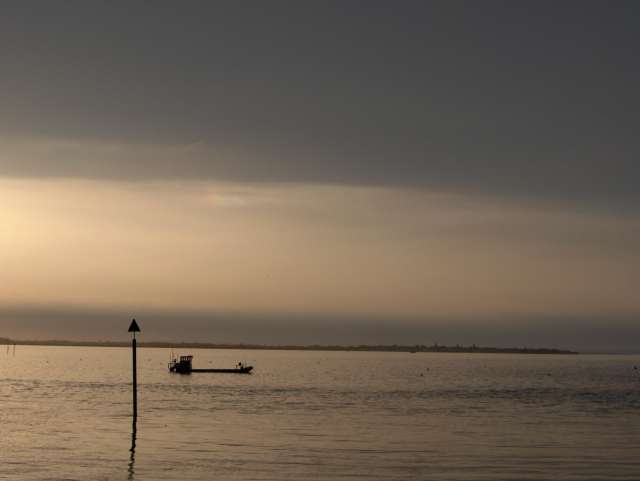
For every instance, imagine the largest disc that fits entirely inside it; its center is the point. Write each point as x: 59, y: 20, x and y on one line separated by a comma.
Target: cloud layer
x: 537, y: 100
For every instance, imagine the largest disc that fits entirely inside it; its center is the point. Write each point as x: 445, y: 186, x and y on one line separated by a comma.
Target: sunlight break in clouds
x: 296, y: 248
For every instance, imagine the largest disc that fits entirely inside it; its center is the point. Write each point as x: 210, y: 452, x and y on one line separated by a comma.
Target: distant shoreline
x: 316, y: 347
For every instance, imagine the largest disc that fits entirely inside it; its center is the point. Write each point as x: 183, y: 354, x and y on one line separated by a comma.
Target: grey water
x: 65, y: 414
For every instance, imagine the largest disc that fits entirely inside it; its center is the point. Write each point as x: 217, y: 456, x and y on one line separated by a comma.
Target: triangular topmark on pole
x: 133, y: 327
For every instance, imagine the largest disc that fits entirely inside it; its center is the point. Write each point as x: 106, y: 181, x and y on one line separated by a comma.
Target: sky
x: 321, y: 172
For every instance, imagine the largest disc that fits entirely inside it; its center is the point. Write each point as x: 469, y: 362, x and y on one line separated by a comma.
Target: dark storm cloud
x: 536, y: 99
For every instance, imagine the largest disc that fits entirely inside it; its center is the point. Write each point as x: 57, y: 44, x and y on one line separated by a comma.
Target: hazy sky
x: 352, y: 171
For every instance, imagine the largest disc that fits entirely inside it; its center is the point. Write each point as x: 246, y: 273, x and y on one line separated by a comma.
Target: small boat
x: 183, y: 366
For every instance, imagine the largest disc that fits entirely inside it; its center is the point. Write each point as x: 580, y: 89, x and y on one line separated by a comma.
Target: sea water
x: 65, y: 414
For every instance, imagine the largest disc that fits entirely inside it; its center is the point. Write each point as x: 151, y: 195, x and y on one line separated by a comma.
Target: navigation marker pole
x: 133, y: 327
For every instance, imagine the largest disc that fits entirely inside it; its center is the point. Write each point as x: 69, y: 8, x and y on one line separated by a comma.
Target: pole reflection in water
x: 132, y: 457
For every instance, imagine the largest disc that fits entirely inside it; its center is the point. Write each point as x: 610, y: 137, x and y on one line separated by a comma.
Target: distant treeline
x: 315, y: 347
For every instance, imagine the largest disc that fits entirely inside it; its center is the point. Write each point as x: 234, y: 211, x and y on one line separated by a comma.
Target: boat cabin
x: 183, y: 366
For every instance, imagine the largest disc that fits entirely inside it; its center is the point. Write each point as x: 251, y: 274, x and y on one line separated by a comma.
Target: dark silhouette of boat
x: 183, y: 366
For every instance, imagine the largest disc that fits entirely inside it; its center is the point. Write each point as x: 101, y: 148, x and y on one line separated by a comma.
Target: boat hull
x: 244, y: 370
x: 186, y: 370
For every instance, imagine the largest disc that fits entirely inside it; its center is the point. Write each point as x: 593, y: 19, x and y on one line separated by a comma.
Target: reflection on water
x: 66, y: 414
x: 132, y: 450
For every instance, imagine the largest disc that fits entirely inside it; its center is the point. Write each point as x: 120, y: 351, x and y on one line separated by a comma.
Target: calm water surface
x: 65, y: 415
